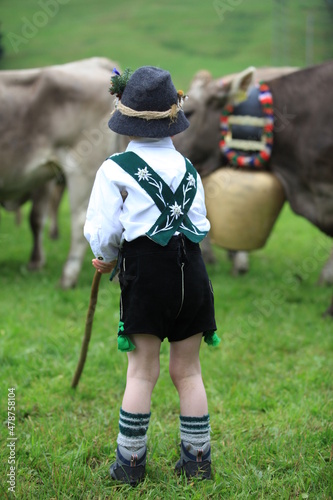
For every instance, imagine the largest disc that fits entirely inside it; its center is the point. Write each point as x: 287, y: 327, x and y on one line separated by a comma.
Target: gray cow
x: 53, y: 125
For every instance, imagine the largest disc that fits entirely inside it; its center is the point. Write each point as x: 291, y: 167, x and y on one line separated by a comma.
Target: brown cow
x: 200, y: 141
x: 302, y: 155
x: 53, y: 124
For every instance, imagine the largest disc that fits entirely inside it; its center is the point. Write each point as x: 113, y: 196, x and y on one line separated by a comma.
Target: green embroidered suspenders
x: 173, y: 206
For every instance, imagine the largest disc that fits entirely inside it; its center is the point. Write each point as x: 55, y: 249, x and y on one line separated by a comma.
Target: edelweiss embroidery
x: 167, y: 227
x: 191, y: 180
x: 143, y: 174
x: 176, y: 210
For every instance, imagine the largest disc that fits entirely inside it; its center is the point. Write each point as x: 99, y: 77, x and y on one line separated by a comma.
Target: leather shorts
x: 165, y: 291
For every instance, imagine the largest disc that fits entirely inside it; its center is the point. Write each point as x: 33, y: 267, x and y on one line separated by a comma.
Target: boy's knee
x: 173, y: 374
x: 180, y: 371
x: 149, y: 373
x: 177, y: 372
x: 155, y: 373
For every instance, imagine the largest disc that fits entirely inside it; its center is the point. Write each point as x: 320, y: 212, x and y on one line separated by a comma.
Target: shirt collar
x: 142, y: 142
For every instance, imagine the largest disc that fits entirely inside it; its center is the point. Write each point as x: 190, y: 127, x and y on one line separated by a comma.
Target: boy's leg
x: 185, y: 371
x: 142, y: 375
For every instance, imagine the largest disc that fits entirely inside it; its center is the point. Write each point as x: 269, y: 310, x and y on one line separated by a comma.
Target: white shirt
x: 110, y: 220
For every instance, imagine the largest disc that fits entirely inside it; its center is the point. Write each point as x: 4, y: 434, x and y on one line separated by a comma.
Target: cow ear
x: 240, y: 85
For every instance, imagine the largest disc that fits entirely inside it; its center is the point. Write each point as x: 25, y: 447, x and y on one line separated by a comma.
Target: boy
x: 165, y: 290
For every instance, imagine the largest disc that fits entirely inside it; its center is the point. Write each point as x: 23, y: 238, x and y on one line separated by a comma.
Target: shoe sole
x: 200, y: 470
x: 126, y: 474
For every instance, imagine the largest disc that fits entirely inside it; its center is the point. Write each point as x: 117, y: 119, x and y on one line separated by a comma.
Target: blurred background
x: 222, y: 36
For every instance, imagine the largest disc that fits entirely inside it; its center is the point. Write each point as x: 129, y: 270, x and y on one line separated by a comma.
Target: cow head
x: 206, y: 99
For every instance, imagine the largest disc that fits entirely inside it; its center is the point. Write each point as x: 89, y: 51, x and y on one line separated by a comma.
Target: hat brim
x: 139, y: 127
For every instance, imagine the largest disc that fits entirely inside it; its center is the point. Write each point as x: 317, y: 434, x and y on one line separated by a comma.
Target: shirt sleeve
x: 102, y: 228
x: 198, y: 210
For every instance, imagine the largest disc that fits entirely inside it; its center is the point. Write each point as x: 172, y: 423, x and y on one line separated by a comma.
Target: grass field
x: 269, y: 383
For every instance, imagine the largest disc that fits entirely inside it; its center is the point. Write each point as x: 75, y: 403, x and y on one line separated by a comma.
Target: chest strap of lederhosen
x: 174, y: 207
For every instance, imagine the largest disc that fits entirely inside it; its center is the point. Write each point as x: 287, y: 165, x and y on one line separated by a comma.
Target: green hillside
x: 222, y: 35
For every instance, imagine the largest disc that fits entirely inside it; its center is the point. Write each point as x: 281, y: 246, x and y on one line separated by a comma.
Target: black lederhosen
x: 165, y: 291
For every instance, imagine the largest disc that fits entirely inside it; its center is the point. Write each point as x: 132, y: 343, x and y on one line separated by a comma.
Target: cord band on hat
x: 148, y: 115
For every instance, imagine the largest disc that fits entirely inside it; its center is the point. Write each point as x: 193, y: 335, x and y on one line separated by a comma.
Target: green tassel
x: 212, y: 339
x: 125, y: 344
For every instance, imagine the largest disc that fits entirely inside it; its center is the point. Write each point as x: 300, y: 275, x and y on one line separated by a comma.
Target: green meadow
x: 269, y: 382
x: 220, y: 35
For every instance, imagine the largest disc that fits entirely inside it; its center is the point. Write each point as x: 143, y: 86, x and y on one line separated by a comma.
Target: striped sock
x: 133, y: 429
x: 195, y: 430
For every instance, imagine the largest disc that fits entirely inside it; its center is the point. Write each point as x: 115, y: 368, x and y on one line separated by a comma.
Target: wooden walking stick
x: 88, y: 328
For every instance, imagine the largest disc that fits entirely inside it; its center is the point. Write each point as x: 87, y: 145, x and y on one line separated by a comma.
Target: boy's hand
x: 103, y: 267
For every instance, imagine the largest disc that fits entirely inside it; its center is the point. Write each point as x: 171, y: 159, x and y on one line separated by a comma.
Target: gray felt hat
x: 149, y: 106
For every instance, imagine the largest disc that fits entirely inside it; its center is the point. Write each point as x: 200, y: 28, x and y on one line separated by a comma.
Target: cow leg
x: 80, y: 177
x: 56, y: 195
x: 329, y: 311
x: 38, y: 214
x: 207, y: 251
x: 79, y: 189
x: 326, y: 275
x: 240, y: 262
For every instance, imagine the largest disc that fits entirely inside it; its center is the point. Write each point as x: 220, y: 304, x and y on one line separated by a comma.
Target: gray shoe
x: 129, y: 466
x: 194, y: 461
